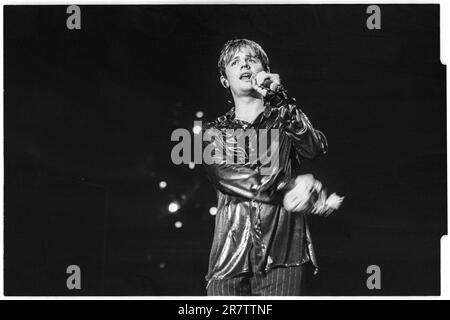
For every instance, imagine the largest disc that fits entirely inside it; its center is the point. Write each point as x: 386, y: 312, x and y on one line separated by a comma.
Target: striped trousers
x: 281, y: 281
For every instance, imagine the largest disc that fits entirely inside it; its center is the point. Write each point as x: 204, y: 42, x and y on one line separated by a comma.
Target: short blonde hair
x: 231, y: 47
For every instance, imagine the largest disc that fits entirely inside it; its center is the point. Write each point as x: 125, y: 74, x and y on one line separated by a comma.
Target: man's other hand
x: 297, y: 199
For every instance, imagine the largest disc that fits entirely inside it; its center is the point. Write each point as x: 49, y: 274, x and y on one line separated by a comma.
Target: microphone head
x: 269, y: 84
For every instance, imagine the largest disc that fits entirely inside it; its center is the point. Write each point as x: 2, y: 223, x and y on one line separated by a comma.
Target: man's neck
x: 248, y: 108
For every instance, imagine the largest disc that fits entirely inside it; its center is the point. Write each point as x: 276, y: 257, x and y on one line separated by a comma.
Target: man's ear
x: 224, y: 82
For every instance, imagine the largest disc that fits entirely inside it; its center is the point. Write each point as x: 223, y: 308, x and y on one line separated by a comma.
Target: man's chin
x: 247, y: 88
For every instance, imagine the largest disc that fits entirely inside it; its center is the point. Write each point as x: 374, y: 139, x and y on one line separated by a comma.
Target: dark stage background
x: 88, y: 119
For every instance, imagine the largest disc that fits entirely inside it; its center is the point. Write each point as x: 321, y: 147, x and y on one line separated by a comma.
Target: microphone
x: 276, y: 95
x: 270, y: 85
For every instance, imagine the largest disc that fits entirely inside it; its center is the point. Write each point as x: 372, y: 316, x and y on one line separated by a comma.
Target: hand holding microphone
x: 262, y: 82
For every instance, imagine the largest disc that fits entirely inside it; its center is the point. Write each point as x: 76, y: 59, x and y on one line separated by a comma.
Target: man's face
x: 242, y: 66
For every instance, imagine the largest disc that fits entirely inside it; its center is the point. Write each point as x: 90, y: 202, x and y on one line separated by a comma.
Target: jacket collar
x: 231, y: 115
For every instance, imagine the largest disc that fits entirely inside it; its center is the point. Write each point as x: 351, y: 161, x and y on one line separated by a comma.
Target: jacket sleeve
x: 238, y: 179
x: 308, y: 142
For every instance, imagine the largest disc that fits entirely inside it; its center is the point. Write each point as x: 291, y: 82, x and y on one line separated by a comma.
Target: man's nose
x: 245, y: 64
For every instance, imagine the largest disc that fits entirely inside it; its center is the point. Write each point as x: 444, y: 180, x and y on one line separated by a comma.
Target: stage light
x: 197, y: 129
x: 191, y: 165
x: 199, y: 114
x: 162, y: 184
x: 178, y: 224
x: 173, y: 207
x: 213, y: 211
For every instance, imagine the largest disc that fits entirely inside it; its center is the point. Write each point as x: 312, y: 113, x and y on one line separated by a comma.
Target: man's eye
x: 233, y: 62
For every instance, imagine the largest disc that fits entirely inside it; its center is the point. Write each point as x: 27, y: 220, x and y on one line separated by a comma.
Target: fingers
x: 260, y: 77
x: 302, y: 204
x: 301, y: 195
x: 309, y: 196
x: 332, y: 203
x: 308, y: 182
x: 317, y: 186
x: 291, y: 200
x: 260, y: 90
x: 297, y: 198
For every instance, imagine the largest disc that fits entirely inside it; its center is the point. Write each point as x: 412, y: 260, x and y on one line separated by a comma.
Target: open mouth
x: 246, y: 76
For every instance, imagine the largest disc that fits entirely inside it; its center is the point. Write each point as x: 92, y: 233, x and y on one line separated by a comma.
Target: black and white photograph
x: 223, y: 150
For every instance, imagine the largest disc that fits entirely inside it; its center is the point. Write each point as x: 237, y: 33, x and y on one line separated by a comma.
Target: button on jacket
x: 250, y: 213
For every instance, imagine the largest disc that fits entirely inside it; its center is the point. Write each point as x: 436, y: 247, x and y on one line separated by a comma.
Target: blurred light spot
x: 197, y: 129
x: 162, y: 184
x: 199, y: 114
x: 213, y: 211
x: 162, y: 265
x: 191, y: 165
x: 178, y: 224
x: 173, y: 207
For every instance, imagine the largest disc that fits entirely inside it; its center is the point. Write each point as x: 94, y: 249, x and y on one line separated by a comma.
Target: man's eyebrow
x: 246, y: 56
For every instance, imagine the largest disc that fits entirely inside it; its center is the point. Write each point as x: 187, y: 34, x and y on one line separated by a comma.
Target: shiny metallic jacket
x: 250, y: 188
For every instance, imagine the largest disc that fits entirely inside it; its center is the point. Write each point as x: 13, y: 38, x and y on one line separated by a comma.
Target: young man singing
x: 261, y: 241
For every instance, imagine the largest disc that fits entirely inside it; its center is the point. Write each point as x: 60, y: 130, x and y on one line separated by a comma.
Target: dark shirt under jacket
x: 250, y: 210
